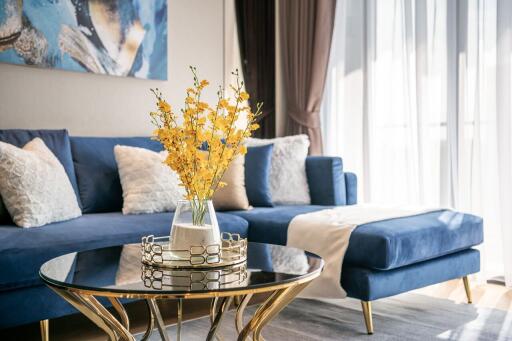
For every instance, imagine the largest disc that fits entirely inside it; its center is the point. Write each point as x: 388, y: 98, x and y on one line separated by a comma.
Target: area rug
x: 404, y: 317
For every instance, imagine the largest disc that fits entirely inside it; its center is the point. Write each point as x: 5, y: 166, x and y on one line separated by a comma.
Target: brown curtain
x: 256, y: 34
x: 306, y: 30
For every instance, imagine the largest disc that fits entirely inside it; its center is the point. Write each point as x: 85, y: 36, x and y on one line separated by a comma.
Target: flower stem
x: 199, y: 208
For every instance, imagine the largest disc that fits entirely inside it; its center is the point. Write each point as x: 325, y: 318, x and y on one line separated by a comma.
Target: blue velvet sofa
x: 383, y: 259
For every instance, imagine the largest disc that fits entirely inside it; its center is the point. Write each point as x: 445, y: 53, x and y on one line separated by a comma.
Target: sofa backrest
x: 90, y: 165
x: 96, y: 170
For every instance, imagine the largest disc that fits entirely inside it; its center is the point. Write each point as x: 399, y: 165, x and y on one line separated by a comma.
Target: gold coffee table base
x: 118, y: 328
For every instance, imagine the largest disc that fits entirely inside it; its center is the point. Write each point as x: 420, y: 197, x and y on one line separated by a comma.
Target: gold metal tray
x: 156, y: 251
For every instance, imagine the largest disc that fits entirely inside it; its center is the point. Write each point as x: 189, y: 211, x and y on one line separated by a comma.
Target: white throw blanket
x: 327, y: 233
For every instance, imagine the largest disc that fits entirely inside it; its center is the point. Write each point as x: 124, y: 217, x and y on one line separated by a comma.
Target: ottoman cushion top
x: 394, y: 243
x: 381, y: 245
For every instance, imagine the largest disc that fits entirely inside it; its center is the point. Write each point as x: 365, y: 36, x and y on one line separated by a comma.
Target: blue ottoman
x: 393, y: 256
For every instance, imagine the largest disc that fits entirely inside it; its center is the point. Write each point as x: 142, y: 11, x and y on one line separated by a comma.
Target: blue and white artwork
x: 112, y: 37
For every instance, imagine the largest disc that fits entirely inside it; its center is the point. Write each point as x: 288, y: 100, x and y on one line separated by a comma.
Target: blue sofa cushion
x: 96, y: 170
x: 56, y: 140
x: 351, y: 188
x: 257, y: 175
x: 25, y: 250
x: 326, y: 181
x: 29, y: 305
x: 381, y: 245
x: 368, y: 285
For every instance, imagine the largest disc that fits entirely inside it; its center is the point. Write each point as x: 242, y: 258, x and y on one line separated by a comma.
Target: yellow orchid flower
x: 205, y: 139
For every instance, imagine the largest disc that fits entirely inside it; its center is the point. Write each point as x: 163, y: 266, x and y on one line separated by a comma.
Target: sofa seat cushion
x: 380, y: 245
x: 23, y: 251
x: 270, y: 224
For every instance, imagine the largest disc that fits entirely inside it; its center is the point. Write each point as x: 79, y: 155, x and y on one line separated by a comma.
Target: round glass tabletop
x: 118, y: 271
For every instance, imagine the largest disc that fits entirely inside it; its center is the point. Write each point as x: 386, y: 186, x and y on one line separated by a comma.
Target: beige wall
x: 97, y: 105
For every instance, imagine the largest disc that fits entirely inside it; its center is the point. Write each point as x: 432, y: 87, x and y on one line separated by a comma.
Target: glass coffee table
x: 117, y: 272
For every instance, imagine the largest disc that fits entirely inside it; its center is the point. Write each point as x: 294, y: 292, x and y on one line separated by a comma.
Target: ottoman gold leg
x: 367, y: 312
x: 467, y: 288
x: 44, y: 325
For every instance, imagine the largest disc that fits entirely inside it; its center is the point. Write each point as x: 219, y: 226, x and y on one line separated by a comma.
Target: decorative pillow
x: 288, y: 181
x: 257, y: 175
x: 56, y: 140
x: 34, y: 185
x: 149, y: 186
x: 233, y: 196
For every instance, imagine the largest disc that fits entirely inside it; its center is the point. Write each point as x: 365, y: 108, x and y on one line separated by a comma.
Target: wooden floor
x: 484, y: 295
x: 79, y: 328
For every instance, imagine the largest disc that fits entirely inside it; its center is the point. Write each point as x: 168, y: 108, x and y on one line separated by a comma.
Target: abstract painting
x: 112, y: 37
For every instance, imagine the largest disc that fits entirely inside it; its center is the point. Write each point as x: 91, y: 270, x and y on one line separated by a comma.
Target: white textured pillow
x: 288, y: 181
x: 149, y: 186
x: 34, y: 186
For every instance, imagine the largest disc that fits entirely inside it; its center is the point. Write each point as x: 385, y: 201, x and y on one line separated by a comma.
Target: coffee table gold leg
x: 85, y: 307
x: 180, y: 319
x: 237, y: 299
x: 158, y: 318
x: 225, y: 302
x: 114, y: 323
x: 253, y: 323
x: 268, y: 310
x: 213, y: 308
x: 151, y: 323
x: 120, y: 311
x: 239, y: 320
x: 276, y: 308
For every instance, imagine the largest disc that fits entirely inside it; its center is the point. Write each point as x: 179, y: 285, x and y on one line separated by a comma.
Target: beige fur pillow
x: 233, y: 195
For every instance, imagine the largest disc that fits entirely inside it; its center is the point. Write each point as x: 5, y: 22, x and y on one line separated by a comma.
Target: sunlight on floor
x: 484, y: 295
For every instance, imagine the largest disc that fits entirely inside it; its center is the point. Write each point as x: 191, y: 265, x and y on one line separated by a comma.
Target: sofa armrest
x: 326, y: 181
x: 351, y: 188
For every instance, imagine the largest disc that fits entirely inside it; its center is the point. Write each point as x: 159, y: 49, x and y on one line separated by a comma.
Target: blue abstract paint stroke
x: 10, y: 56
x: 158, y: 58
x: 48, y: 17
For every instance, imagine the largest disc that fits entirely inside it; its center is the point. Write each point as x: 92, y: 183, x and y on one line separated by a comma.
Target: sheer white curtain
x: 418, y: 103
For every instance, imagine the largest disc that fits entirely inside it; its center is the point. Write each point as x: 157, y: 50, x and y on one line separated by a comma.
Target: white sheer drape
x: 418, y: 103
